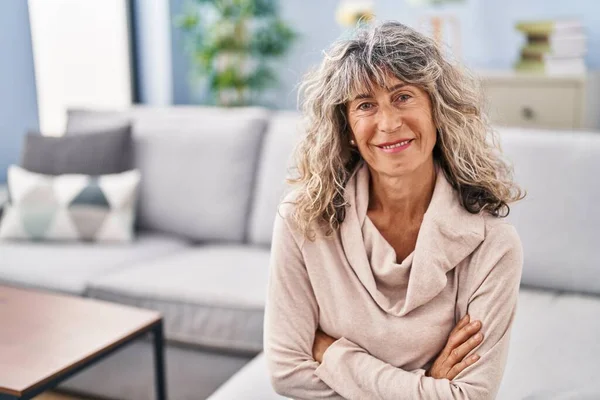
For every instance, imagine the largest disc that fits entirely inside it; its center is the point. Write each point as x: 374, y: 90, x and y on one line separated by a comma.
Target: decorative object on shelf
x: 232, y: 43
x: 443, y: 27
x: 352, y: 13
x: 552, y: 47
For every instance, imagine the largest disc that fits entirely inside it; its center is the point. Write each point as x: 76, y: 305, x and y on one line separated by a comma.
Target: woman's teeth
x: 396, y: 145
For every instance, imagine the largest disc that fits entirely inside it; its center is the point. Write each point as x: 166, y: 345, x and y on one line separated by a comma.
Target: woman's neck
x: 402, y: 198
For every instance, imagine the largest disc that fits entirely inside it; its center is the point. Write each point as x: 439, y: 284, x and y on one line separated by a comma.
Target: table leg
x: 159, y: 362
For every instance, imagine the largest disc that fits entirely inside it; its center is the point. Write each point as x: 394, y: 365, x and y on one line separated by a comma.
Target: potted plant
x: 232, y: 44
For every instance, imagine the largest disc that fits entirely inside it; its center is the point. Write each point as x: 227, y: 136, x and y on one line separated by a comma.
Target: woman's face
x: 382, y: 122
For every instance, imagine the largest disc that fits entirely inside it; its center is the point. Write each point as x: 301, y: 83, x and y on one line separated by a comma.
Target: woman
x: 393, y: 274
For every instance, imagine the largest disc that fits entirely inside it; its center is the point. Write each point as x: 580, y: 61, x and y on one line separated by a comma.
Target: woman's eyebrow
x: 361, y: 96
x: 397, y: 86
x: 368, y: 95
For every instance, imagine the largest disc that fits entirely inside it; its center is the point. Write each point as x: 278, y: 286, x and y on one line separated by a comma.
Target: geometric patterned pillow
x: 70, y: 207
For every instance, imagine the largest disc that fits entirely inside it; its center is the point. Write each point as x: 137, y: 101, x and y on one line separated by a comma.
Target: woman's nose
x: 389, y: 120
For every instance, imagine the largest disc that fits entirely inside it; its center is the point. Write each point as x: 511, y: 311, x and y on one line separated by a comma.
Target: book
x: 542, y: 54
x: 553, y: 66
x: 545, y: 28
x: 553, y: 47
x: 557, y: 45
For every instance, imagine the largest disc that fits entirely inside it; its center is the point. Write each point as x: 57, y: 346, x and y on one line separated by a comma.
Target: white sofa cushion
x: 68, y: 266
x: 283, y: 133
x: 554, y: 347
x: 559, y: 220
x: 211, y: 296
x: 250, y: 382
x: 198, y: 165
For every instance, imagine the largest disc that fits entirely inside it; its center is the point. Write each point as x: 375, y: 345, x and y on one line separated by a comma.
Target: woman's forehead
x: 368, y: 86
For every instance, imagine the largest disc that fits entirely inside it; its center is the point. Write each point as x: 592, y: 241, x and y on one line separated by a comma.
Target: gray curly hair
x: 467, y: 149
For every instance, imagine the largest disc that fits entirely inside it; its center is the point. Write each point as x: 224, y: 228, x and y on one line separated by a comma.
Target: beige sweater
x: 391, y: 320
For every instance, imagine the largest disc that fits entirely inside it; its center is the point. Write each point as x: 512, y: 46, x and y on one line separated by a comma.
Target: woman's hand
x: 451, y: 361
x: 322, y: 343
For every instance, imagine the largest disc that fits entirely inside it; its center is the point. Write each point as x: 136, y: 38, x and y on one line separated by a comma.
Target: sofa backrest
x: 198, y: 165
x: 275, y: 165
x: 559, y: 220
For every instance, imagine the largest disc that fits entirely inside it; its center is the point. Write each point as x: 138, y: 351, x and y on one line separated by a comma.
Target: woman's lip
x: 396, y: 149
x: 394, y: 142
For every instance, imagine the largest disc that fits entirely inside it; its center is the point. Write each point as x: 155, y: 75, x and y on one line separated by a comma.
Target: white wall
x: 81, y: 57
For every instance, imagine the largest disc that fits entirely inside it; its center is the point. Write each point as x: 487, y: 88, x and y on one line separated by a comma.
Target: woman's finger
x: 457, y: 369
x: 463, y: 321
x: 458, y: 353
x: 463, y: 334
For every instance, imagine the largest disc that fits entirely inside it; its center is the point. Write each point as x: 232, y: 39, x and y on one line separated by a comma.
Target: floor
x: 55, y: 396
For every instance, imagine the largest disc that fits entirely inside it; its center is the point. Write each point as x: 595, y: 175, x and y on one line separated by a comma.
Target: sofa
x: 211, y: 182
x: 207, y: 202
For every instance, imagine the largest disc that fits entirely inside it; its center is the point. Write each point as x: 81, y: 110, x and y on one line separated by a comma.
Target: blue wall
x: 18, y: 103
x: 182, y: 93
x: 489, y: 39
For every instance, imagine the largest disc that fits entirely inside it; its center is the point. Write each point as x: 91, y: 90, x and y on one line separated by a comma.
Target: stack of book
x: 553, y: 47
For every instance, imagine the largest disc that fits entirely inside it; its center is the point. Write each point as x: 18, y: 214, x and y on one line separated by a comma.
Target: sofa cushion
x: 211, y: 296
x: 559, y: 220
x: 99, y: 153
x: 197, y: 163
x: 275, y: 165
x: 554, y: 346
x: 250, y: 382
x: 70, y: 206
x: 69, y: 266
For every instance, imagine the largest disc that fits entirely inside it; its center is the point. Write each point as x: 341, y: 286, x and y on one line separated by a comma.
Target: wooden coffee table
x: 46, y: 338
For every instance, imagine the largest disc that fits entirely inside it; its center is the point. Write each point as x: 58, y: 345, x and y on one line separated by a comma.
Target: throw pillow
x: 70, y: 207
x: 99, y: 153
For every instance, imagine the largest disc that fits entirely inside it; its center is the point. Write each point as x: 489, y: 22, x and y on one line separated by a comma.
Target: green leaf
x: 262, y: 78
x: 273, y: 39
x: 187, y: 22
x: 264, y: 8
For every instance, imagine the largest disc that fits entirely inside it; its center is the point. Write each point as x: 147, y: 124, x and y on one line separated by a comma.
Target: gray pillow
x: 98, y: 153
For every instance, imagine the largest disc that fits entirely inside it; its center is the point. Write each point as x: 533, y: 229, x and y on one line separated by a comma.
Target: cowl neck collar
x: 448, y: 234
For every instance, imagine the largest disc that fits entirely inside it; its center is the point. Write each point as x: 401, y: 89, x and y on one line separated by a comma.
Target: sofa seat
x: 211, y: 296
x: 554, y: 347
x: 554, y: 353
x: 251, y: 382
x: 68, y: 267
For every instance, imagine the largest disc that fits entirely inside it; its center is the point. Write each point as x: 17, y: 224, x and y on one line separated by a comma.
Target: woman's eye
x: 365, y: 106
x: 403, y: 98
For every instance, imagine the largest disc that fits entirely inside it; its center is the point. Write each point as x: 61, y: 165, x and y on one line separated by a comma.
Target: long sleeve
x: 291, y: 320
x: 493, y: 291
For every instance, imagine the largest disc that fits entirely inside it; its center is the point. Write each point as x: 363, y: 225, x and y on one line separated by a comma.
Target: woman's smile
x: 396, y: 146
